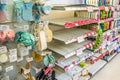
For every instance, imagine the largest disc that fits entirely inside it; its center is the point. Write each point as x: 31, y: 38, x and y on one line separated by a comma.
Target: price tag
x: 80, y: 39
x: 26, y: 71
x: 13, y: 51
x: 29, y: 59
x: 106, y: 9
x: 23, y: 52
x: 90, y: 9
x: 13, y: 57
x: 29, y: 47
x: 5, y: 27
x: 26, y: 27
x: 19, y: 59
x: 79, y: 51
x: 3, y: 49
x: 9, y: 68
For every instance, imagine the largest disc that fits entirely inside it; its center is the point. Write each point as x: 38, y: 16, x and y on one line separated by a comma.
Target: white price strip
x: 90, y: 9
x: 3, y: 49
x: 106, y: 9
x: 79, y: 51
x: 4, y: 27
x: 9, y: 68
x: 13, y: 57
x: 29, y: 59
x: 80, y: 39
x: 26, y: 71
x: 13, y: 51
x: 26, y: 27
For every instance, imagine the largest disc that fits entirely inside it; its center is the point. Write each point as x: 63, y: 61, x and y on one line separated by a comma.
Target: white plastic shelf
x: 72, y: 35
x: 96, y: 67
x: 69, y: 63
x: 70, y: 49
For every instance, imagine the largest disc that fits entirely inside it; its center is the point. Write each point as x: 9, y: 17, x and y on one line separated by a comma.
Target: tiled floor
x: 111, y: 71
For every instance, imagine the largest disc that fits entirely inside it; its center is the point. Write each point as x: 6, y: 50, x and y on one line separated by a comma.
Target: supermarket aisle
x: 110, y: 71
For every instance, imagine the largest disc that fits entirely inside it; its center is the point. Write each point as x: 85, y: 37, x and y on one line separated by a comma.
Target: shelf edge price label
x: 106, y: 9
x: 80, y: 39
x: 79, y: 51
x: 13, y: 51
x: 29, y: 59
x: 3, y: 49
x: 4, y: 27
x: 9, y: 68
x: 90, y: 9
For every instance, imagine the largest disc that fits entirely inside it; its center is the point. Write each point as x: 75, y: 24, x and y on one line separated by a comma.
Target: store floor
x: 111, y: 71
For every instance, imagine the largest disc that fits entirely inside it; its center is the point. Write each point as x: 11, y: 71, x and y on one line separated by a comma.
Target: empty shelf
x: 73, y: 22
x: 72, y: 35
x: 70, y: 49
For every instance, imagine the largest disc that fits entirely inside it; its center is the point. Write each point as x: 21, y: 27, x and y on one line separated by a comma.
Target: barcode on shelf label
x: 26, y: 27
x: 9, y: 68
x: 4, y: 27
x: 26, y: 71
x: 106, y: 9
x: 13, y: 57
x: 13, y: 51
x: 3, y: 49
x: 79, y: 51
x: 80, y: 39
x: 90, y: 9
x: 70, y: 54
x: 29, y: 59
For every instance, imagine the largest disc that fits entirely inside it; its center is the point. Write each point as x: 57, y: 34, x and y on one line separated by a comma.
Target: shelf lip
x: 76, y: 60
x: 73, y: 22
x: 72, y: 35
x: 69, y: 50
x: 106, y: 20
